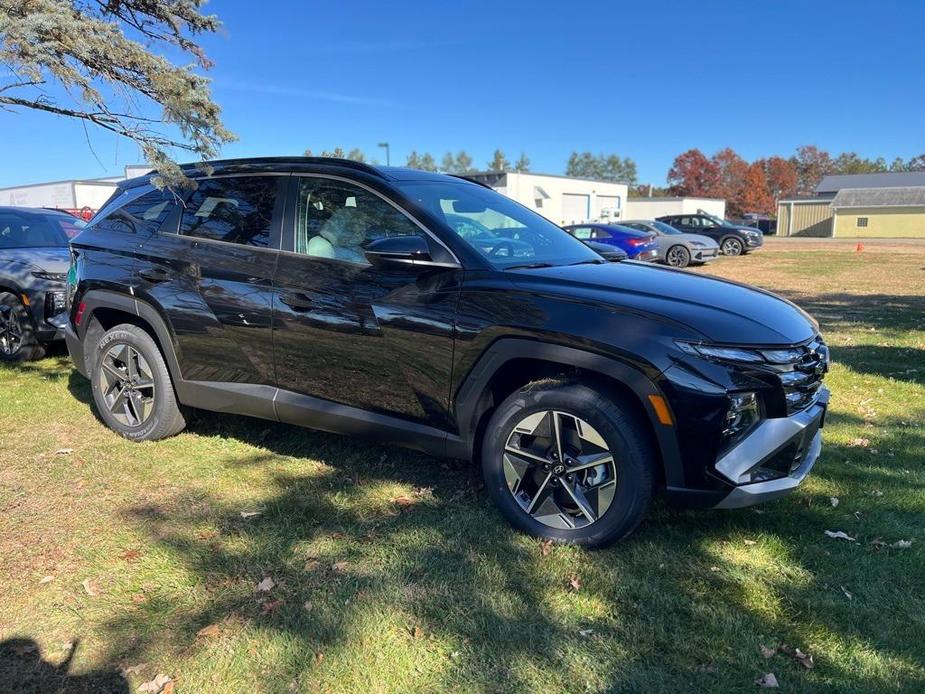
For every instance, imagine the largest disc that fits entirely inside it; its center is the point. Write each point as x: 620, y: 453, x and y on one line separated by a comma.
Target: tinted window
x: 602, y: 234
x: 583, y: 233
x: 233, y: 210
x: 338, y: 220
x: 29, y: 231
x: 144, y: 214
x: 71, y: 226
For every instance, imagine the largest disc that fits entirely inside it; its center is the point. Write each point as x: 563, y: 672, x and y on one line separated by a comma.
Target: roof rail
x: 256, y: 161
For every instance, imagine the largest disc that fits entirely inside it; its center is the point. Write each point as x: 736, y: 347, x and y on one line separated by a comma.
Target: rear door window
x: 237, y: 210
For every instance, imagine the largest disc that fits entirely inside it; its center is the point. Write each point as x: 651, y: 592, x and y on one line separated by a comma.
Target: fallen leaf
x: 834, y: 501
x: 337, y: 536
x: 134, y: 669
x: 312, y: 565
x: 64, y: 451
x: 209, y: 631
x: 319, y: 657
x: 767, y: 652
x: 130, y: 555
x: 859, y: 443
x: 341, y: 567
x: 156, y: 685
x: 839, y: 535
x: 403, y: 501
x: 47, y: 579
x: 265, y: 585
x: 877, y: 492
x: 545, y: 548
x: 585, y: 632
x: 139, y: 598
x: 417, y: 632
x: 575, y: 583
x: 250, y: 514
x: 168, y: 688
x: 714, y: 569
x: 269, y: 607
x: 750, y: 542
x: 804, y: 659
x: 768, y: 681
x: 307, y: 605
x: 847, y: 593
x: 91, y: 587
x: 902, y: 544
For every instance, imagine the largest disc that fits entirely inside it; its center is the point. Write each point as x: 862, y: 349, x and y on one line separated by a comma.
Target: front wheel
x: 566, y: 462
x: 132, y: 388
x: 731, y: 246
x: 17, y: 338
x: 678, y: 256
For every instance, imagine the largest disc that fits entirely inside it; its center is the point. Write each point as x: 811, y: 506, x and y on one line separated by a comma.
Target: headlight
x: 743, y: 414
x: 746, y: 356
x: 697, y: 244
x: 55, y: 303
x: 52, y: 276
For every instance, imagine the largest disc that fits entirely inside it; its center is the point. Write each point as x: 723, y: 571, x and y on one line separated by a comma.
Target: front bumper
x: 647, y: 256
x: 704, y: 255
x: 753, y: 244
x: 796, y: 439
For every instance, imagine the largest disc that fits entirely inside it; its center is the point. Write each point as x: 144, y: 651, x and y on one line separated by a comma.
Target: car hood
x: 705, y: 240
x: 51, y: 259
x: 721, y: 311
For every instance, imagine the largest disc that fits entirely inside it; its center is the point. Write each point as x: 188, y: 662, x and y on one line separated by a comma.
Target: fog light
x: 743, y: 414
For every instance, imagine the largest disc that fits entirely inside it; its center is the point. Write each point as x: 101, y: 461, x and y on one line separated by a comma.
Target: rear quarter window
x: 144, y: 214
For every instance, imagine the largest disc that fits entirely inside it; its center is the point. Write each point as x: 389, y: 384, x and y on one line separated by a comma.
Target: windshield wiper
x: 590, y: 261
x: 528, y: 266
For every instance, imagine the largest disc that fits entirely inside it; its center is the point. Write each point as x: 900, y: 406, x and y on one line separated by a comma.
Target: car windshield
x: 505, y: 232
x: 666, y: 228
x: 30, y: 231
x: 69, y: 224
x: 719, y: 222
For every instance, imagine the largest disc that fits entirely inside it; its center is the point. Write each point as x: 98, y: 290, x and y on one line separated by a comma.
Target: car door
x: 347, y: 332
x: 212, y: 273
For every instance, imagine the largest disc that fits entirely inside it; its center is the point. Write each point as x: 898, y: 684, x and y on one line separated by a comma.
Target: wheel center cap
x: 558, y: 470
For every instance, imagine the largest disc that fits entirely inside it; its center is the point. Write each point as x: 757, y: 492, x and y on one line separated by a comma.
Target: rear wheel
x: 566, y: 462
x: 17, y: 336
x: 678, y: 256
x: 731, y: 246
x: 132, y: 388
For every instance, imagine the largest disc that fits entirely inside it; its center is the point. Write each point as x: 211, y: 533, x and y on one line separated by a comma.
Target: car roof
x: 297, y: 164
x: 32, y: 211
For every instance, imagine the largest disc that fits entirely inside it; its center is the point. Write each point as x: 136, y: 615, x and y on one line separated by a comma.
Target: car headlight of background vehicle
x: 50, y: 276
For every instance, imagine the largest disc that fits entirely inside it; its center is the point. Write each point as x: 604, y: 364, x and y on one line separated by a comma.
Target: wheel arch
x: 511, y: 363
x: 103, y: 310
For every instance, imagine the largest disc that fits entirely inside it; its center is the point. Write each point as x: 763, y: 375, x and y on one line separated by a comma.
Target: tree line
x: 459, y: 163
x: 758, y: 185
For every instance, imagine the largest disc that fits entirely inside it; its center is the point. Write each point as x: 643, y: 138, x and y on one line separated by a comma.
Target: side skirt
x: 268, y: 402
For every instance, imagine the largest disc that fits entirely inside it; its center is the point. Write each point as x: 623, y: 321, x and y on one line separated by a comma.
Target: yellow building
x: 879, y: 205
x: 879, y: 213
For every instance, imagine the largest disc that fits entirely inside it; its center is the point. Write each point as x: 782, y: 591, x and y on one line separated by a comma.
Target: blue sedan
x: 638, y: 245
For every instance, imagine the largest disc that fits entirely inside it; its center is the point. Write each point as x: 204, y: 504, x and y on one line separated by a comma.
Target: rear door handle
x: 297, y: 301
x: 154, y: 275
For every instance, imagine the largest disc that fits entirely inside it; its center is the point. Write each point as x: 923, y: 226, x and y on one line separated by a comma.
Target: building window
x: 862, y: 222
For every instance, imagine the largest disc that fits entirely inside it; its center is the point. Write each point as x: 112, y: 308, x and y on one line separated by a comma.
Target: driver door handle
x: 297, y: 301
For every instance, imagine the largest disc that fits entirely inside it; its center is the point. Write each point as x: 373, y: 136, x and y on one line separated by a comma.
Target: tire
x: 17, y: 334
x: 515, y: 481
x: 732, y: 246
x: 678, y: 256
x: 132, y: 388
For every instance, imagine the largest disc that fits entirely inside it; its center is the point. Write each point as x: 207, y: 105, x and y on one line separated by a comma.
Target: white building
x: 561, y: 199
x: 650, y: 208
x: 86, y: 195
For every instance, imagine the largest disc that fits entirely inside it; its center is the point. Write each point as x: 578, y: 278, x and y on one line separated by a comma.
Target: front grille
x: 801, y: 371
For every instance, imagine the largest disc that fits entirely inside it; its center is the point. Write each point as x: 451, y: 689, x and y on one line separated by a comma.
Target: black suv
x: 432, y: 312
x: 733, y: 239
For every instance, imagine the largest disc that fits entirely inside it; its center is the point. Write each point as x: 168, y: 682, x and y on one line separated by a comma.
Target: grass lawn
x: 391, y: 571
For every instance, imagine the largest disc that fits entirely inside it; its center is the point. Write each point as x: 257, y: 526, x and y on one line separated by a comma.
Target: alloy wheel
x: 732, y: 247
x: 127, y: 384
x: 559, y: 470
x: 678, y: 256
x: 11, y: 337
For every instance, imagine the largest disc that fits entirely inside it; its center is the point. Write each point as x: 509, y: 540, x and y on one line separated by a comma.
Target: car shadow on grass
x: 23, y: 670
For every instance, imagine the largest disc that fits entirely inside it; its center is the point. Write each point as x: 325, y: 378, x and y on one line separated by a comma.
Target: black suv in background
x: 432, y: 312
x: 733, y: 239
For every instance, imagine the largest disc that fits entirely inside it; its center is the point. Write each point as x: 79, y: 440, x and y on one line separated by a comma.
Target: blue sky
x: 645, y: 80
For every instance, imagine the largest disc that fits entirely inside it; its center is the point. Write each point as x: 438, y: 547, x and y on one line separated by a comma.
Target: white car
x: 677, y: 248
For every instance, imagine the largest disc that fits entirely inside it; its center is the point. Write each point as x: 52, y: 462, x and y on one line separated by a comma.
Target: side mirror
x: 398, y: 250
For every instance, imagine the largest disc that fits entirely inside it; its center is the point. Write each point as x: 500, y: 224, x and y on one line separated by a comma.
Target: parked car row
x: 434, y: 313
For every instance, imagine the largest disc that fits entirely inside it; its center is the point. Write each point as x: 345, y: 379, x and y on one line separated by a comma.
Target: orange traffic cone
x: 860, y: 247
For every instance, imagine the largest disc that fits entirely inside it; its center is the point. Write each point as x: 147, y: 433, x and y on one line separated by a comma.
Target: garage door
x: 608, y: 206
x: 575, y: 208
